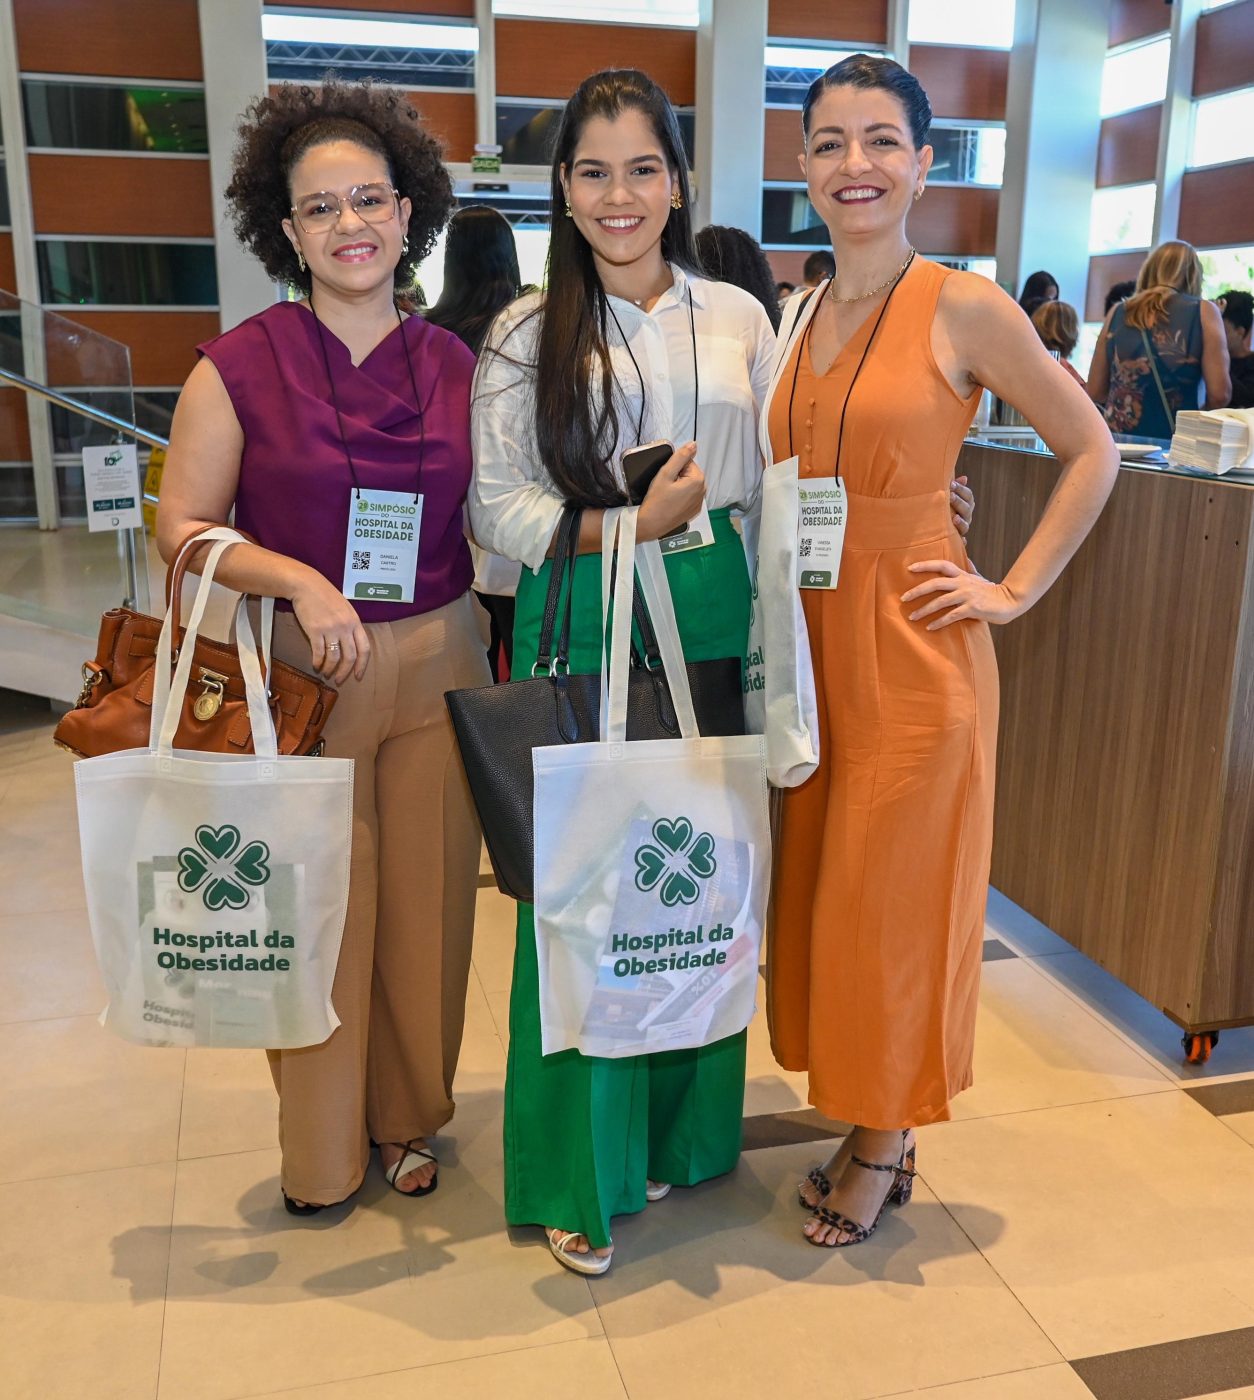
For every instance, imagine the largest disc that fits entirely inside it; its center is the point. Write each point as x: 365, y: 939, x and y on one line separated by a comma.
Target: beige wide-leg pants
x: 400, y: 989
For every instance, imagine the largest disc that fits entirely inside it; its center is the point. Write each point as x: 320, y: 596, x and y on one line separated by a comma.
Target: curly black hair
x: 276, y: 131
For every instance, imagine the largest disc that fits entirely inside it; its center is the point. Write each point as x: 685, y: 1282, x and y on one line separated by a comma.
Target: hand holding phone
x: 667, y: 484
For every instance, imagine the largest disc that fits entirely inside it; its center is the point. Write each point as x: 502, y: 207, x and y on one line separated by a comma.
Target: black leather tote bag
x: 497, y: 726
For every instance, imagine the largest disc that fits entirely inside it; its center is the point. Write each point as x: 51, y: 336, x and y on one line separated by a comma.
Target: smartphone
x: 641, y: 465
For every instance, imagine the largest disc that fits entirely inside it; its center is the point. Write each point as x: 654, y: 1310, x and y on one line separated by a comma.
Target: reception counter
x: 1125, y: 786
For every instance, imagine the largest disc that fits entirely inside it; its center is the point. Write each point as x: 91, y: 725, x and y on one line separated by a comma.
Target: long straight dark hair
x: 577, y: 426
x: 481, y: 274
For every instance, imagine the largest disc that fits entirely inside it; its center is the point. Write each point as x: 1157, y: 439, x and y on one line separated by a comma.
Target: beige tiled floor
x: 1080, y: 1203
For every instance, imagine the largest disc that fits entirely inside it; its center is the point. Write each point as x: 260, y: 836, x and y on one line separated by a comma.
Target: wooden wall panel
x: 853, y: 21
x: 162, y: 343
x: 1104, y: 272
x: 8, y: 275
x: 1137, y: 19
x: 408, y: 8
x: 962, y: 82
x: 787, y: 266
x: 1216, y: 206
x: 451, y: 117
x: 1225, y: 49
x: 14, y: 427
x: 550, y: 58
x: 1127, y: 152
x: 783, y: 144
x: 955, y: 219
x: 113, y: 38
x: 141, y: 195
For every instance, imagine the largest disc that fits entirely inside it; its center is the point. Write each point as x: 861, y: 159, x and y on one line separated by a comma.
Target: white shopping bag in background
x: 217, y: 884
x: 780, y: 700
x: 652, y: 858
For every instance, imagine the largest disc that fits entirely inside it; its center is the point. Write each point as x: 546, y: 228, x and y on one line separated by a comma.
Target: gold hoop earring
x: 677, y: 200
x: 300, y: 259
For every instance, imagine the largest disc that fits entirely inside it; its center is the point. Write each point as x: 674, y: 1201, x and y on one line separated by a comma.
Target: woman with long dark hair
x: 608, y: 358
x: 481, y: 278
x: 481, y: 274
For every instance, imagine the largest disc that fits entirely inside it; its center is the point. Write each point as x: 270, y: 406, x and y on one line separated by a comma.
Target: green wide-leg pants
x: 583, y: 1134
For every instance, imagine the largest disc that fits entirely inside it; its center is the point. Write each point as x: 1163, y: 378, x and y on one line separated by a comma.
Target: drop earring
x: 570, y: 213
x: 677, y: 200
x: 918, y: 195
x: 404, y: 245
x: 300, y: 260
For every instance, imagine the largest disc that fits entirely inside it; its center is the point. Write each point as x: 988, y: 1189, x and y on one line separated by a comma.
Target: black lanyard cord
x: 339, y: 417
x: 696, y: 379
x: 801, y: 350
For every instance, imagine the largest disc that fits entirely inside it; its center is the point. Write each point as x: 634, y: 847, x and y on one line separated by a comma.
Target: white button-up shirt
x: 514, y: 505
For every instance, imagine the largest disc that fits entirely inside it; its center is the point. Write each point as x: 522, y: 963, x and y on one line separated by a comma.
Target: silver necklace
x: 875, y: 291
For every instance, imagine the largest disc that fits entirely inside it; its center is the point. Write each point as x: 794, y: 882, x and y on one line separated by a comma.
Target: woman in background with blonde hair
x: 1156, y: 347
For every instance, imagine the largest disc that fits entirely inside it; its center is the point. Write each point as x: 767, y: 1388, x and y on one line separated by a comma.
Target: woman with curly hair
x: 334, y: 402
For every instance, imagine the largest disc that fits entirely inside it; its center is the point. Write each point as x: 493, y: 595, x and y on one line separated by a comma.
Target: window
x: 527, y: 131
x: 790, y: 69
x: 98, y: 273
x: 790, y: 220
x: 1226, y: 269
x: 982, y: 267
x: 532, y: 242
x: 303, y: 47
x: 978, y: 24
x: 968, y: 155
x: 1135, y: 76
x: 95, y: 117
x: 1223, y: 128
x: 682, y: 14
x: 1122, y: 217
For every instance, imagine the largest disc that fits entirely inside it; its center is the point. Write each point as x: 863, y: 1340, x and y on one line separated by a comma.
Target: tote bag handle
x: 169, y: 693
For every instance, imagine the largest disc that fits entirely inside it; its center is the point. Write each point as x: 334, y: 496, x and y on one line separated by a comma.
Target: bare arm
x: 1216, y: 367
x: 198, y: 488
x: 1099, y: 370
x: 982, y: 338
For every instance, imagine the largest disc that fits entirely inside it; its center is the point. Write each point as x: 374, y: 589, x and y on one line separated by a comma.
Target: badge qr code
x: 361, y: 559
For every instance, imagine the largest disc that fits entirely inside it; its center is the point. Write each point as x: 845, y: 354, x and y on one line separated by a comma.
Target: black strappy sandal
x: 899, y: 1195
x: 410, y: 1160
x: 300, y: 1207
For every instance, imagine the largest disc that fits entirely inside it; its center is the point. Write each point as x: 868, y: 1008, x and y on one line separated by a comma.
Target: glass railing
x: 62, y: 387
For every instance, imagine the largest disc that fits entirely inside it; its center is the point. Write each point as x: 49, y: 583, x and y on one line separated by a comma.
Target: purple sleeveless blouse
x: 295, y: 483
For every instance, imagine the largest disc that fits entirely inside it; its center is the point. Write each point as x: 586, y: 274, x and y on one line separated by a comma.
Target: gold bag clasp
x: 209, y: 701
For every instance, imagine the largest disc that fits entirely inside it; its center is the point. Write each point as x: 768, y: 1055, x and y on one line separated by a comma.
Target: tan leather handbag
x: 114, y: 710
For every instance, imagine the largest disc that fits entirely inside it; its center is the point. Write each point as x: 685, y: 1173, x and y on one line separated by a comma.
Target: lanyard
x: 696, y: 381
x: 801, y: 350
x: 339, y: 417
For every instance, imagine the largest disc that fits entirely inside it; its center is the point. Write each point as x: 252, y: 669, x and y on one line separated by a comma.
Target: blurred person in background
x: 818, y: 267
x: 481, y: 278
x: 1159, y: 346
x: 1119, y: 291
x: 1058, y: 326
x: 1238, y: 314
x: 1040, y: 286
x: 783, y: 290
x: 732, y: 255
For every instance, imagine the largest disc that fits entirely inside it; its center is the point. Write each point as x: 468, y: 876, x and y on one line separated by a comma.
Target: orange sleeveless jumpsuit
x: 883, y: 856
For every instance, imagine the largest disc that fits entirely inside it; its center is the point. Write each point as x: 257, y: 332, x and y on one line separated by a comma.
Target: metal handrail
x: 97, y: 415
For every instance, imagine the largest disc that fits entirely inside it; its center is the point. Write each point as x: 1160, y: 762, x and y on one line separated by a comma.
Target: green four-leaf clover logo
x: 212, y: 863
x: 675, y: 861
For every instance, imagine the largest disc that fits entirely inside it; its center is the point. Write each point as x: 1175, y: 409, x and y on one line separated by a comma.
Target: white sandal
x: 410, y: 1160
x: 656, y: 1190
x: 590, y: 1263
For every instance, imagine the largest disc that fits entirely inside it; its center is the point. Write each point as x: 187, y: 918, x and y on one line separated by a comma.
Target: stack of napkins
x: 1215, y: 440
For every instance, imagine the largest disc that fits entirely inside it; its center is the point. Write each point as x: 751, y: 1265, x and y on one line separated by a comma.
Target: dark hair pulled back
x: 732, y: 255
x: 275, y: 133
x: 576, y: 397
x: 867, y: 70
x: 481, y: 275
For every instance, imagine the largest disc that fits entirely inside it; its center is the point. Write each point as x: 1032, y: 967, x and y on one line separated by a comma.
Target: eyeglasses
x: 320, y: 212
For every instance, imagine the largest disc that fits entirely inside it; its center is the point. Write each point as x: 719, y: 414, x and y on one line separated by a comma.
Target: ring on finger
x: 333, y: 646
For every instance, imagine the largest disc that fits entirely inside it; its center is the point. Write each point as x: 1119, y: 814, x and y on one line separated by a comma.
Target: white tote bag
x: 780, y: 699
x: 652, y: 858
x: 217, y: 884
